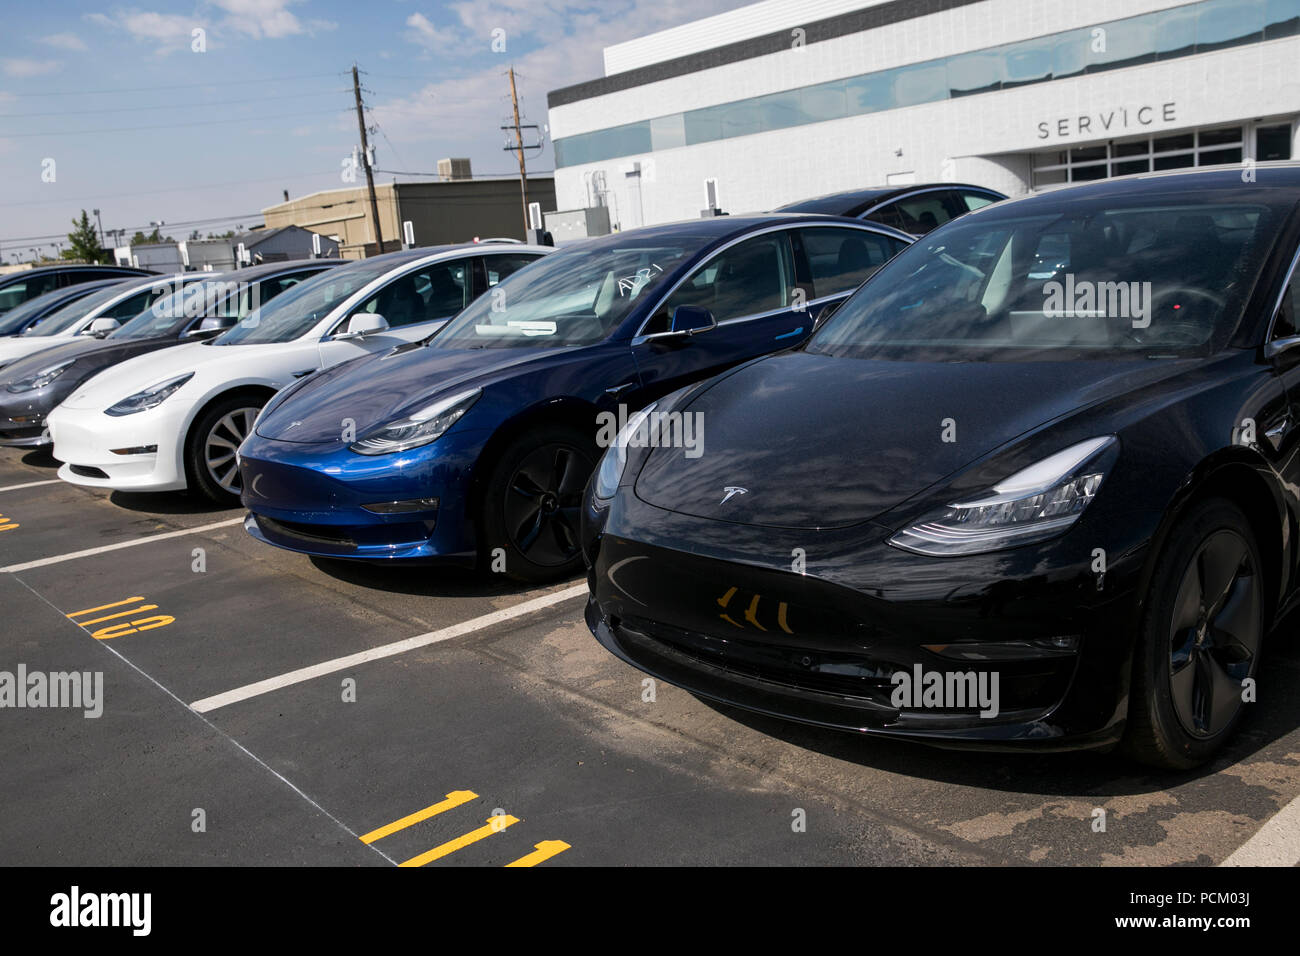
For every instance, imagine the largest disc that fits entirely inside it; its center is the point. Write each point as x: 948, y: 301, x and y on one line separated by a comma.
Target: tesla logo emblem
x: 732, y: 491
x: 293, y: 425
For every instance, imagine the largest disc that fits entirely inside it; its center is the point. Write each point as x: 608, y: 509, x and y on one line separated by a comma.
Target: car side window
x: 751, y: 277
x: 973, y: 201
x: 132, y: 305
x: 436, y: 291
x: 500, y: 266
x: 842, y: 259
x: 922, y: 212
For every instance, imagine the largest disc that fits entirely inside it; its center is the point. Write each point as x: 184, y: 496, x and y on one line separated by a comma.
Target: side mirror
x: 362, y: 324
x: 211, y: 326
x: 692, y: 320
x: 102, y: 326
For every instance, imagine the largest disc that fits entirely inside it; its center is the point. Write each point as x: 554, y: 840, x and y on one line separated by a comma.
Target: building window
x: 1215, y: 146
x: 1152, y: 37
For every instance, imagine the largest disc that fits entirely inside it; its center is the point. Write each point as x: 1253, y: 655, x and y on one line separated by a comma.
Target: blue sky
x: 144, y: 128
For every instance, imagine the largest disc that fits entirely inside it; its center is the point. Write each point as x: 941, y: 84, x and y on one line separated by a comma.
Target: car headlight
x: 40, y: 379
x: 610, y: 472
x: 425, y: 426
x: 1038, y: 502
x: 151, y: 397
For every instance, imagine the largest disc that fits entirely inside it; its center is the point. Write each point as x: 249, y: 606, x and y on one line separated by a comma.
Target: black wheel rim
x: 1214, y: 634
x: 542, y: 504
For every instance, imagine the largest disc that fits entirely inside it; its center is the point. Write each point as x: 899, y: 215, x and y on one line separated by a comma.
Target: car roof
x: 1275, y: 183
x: 126, y: 271
x: 871, y: 195
x: 720, y: 228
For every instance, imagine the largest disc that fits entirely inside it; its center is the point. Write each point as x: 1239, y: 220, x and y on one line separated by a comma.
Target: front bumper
x: 91, y: 446
x: 310, y: 498
x: 719, y: 610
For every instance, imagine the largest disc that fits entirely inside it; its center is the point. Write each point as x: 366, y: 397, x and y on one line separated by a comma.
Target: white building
x: 788, y: 99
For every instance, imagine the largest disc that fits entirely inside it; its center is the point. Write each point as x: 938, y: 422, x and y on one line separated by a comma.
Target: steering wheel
x: 1174, y: 330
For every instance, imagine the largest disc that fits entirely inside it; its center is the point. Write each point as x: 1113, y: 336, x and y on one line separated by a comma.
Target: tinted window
x: 920, y: 213
x: 15, y: 320
x: 16, y: 293
x: 971, y: 201
x: 1288, y: 316
x: 577, y: 296
x: 842, y: 259
x: 296, y: 312
x: 498, y: 267
x: 435, y: 291
x: 753, y: 276
x: 1155, y: 278
x: 65, y: 317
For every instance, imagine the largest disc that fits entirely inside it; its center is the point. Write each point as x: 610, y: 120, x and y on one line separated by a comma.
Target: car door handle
x: 616, y: 390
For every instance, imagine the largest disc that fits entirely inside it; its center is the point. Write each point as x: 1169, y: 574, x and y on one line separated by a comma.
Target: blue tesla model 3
x: 476, y: 443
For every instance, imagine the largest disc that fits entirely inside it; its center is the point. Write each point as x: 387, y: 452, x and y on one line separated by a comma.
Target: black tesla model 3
x: 1036, y: 484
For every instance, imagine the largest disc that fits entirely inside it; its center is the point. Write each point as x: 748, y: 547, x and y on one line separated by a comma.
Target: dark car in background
x: 479, y: 441
x: 17, y: 287
x: 22, y: 317
x: 30, y: 388
x: 1080, y: 491
x: 913, y: 209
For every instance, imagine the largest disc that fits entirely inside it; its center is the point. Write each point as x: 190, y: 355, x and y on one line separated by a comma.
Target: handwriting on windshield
x: 630, y: 285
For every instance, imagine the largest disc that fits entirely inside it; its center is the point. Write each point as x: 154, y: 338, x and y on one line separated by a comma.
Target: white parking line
x: 147, y: 539
x: 32, y: 484
x: 1276, y: 843
x: 386, y: 650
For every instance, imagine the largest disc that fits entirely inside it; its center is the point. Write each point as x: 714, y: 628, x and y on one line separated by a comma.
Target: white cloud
x: 266, y: 18
x: 21, y: 68
x: 64, y: 41
x: 429, y: 36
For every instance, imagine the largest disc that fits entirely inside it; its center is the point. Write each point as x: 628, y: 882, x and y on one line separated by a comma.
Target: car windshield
x: 1164, y: 278
x: 13, y: 321
x: 172, y: 313
x: 64, y: 318
x: 573, y: 297
x: 296, y: 312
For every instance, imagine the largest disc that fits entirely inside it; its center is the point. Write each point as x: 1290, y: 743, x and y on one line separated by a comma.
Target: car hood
x: 18, y: 346
x: 140, y: 372
x: 377, y: 389
x: 821, y: 442
x: 91, y: 353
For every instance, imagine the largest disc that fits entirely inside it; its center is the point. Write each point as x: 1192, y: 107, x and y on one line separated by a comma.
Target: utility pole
x: 365, y: 159
x: 519, y: 147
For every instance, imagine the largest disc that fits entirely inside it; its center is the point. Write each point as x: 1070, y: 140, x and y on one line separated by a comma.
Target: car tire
x: 1200, y: 639
x: 210, y: 466
x: 533, y: 502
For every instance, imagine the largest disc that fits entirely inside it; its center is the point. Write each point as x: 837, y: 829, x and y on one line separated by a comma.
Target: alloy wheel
x: 1214, y: 634
x: 221, y: 443
x: 543, y: 502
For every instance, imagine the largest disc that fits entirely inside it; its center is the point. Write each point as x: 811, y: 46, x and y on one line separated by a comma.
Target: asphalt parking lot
x: 263, y: 708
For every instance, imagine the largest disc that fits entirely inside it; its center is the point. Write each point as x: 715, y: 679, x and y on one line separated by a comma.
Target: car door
x: 1275, y: 434
x: 415, y: 304
x: 752, y: 290
x: 841, y: 258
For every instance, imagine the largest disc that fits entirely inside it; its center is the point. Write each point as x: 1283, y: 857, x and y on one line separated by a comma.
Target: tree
x: 154, y: 237
x: 84, y: 241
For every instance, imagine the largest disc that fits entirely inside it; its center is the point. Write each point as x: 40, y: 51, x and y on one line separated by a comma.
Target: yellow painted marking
x: 9, y: 527
x: 109, y: 617
x: 722, y: 601
x: 105, y: 607
x: 751, y: 613
x: 131, y: 627
x: 454, y: 799
x: 727, y: 618
x: 495, y: 824
x: 780, y: 618
x: 545, y: 850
